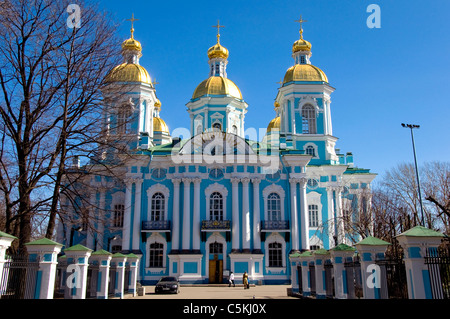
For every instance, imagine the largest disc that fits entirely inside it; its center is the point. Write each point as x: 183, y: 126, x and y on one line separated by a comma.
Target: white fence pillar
x: 77, y: 267
x: 372, y: 280
x: 339, y: 255
x: 416, y: 242
x: 133, y: 261
x: 103, y: 259
x: 118, y: 260
x: 319, y: 260
x: 46, y: 251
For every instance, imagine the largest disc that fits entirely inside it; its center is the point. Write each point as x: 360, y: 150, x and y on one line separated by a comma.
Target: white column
x: 304, y: 215
x: 294, y: 213
x: 331, y: 228
x: 196, y: 219
x: 325, y: 116
x: 256, y: 216
x: 126, y: 230
x: 137, y: 214
x: 245, y: 216
x: 339, y: 217
x: 185, y: 245
x: 91, y: 218
x: 330, y: 127
x: 176, y: 214
x: 101, y: 220
x: 235, y: 221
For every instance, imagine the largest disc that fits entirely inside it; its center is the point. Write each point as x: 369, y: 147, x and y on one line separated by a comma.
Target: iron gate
x: 18, y: 279
x: 438, y: 262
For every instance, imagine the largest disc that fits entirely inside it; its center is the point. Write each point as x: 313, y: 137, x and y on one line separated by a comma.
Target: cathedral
x: 199, y: 208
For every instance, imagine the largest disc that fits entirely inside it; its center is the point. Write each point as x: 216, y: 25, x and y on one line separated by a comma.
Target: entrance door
x: 215, y: 270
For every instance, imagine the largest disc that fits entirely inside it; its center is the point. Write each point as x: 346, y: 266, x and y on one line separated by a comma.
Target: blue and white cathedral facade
x: 201, y: 207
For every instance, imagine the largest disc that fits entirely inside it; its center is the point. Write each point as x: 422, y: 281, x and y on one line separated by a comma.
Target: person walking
x: 231, y: 281
x: 245, y: 280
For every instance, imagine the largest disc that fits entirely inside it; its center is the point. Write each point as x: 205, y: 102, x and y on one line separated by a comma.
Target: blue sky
x: 383, y: 77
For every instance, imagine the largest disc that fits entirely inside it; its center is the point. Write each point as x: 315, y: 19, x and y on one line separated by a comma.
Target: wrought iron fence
x: 438, y: 262
x: 394, y: 268
x: 354, y: 280
x: 18, y: 278
x: 329, y: 279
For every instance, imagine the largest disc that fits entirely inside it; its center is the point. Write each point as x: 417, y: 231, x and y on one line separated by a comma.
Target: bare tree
x: 51, y: 78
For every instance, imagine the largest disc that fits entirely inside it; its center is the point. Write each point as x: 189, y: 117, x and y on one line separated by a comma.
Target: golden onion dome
x: 304, y: 72
x: 132, y: 44
x: 159, y: 125
x: 276, y: 104
x: 157, y: 103
x: 274, y: 124
x: 217, y: 85
x: 218, y: 51
x: 301, y: 45
x: 129, y: 72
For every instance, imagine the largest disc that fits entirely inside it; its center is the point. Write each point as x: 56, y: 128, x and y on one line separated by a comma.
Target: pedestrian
x: 245, y: 280
x: 231, y: 281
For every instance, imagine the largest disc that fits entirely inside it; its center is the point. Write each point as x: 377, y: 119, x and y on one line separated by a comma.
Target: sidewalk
x: 220, y: 292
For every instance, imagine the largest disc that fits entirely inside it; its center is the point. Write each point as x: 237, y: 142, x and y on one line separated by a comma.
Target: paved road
x: 221, y: 292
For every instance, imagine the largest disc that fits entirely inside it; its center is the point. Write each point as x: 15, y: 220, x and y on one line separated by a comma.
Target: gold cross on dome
x: 280, y: 83
x: 132, y: 23
x: 218, y: 26
x: 301, y: 25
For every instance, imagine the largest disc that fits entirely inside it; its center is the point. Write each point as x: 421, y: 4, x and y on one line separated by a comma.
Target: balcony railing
x: 208, y: 225
x: 156, y: 225
x: 275, y: 225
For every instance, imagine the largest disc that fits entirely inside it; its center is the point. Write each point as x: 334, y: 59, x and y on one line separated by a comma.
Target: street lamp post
x: 411, y: 127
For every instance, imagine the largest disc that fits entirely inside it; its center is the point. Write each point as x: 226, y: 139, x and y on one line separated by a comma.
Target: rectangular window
x: 313, y: 215
x: 119, y: 210
x: 156, y: 255
x: 275, y: 255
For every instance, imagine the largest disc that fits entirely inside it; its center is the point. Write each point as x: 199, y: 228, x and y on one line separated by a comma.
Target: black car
x: 168, y: 284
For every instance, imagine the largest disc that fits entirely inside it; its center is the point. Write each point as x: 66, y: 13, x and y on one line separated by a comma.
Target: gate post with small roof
x: 45, y: 251
x: 369, y: 250
x: 416, y: 243
x: 77, y: 261
x: 103, y: 259
x: 339, y: 254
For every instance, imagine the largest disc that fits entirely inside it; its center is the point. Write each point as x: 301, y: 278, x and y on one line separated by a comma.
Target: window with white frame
x: 158, y: 207
x: 156, y: 254
x: 274, y: 206
x: 313, y: 211
x: 123, y: 121
x: 119, y: 210
x: 310, y: 150
x: 216, y: 206
x: 275, y: 254
x: 308, y: 119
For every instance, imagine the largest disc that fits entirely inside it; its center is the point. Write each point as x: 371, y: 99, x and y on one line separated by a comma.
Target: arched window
x: 234, y: 129
x: 310, y: 150
x: 158, y: 208
x: 308, y: 119
x: 216, y: 206
x: 274, y: 206
x: 217, y: 126
x: 275, y: 255
x: 156, y: 254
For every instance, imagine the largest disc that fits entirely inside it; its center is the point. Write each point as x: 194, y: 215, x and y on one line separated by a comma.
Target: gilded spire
x: 218, y: 26
x: 132, y: 24
x: 301, y: 26
x: 217, y: 50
